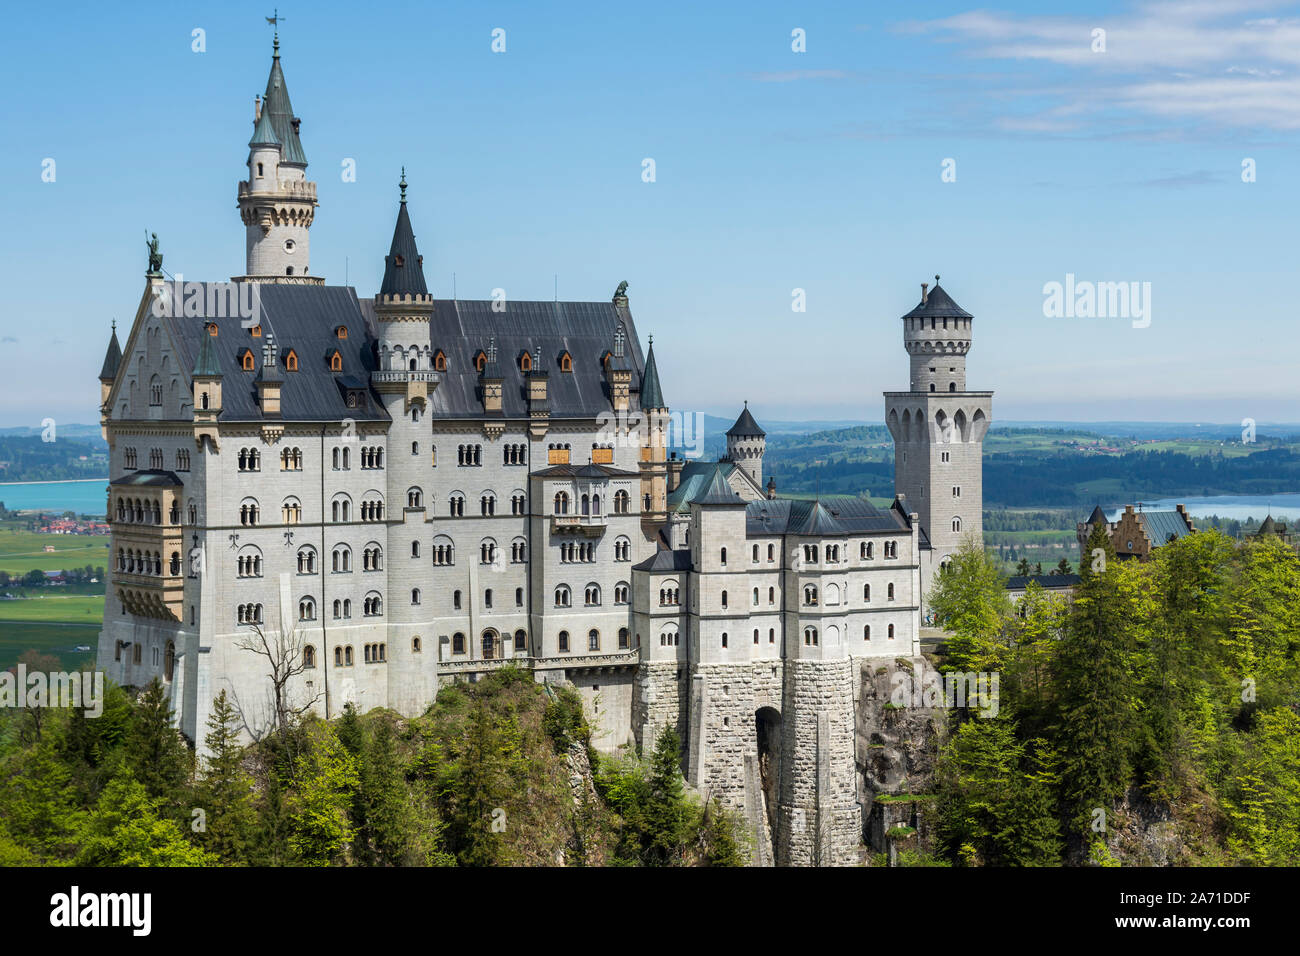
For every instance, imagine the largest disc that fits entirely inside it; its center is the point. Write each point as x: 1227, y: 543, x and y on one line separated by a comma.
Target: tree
x: 226, y: 792
x: 1023, y: 569
x: 128, y: 828
x: 1063, y: 567
x: 969, y: 599
x: 1265, y: 812
x: 156, y: 753
x: 286, y: 657
x: 321, y: 829
x: 1095, y: 700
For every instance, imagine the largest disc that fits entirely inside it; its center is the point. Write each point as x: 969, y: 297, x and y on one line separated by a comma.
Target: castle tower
x: 746, y: 443
x: 404, y: 377
x: 654, y: 453
x: 276, y: 203
x: 938, y: 427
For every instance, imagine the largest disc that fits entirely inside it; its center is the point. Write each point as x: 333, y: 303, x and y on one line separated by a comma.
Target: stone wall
x: 819, y: 820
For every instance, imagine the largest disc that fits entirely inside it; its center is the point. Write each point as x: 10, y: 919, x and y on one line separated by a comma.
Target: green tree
x: 155, y: 751
x: 321, y: 829
x: 226, y: 791
x: 128, y: 828
x: 969, y: 599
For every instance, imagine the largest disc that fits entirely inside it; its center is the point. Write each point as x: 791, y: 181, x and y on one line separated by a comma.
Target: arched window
x: 291, y: 361
x: 246, y: 360
x: 336, y: 361
x: 566, y: 362
x: 891, y: 632
x: 415, y: 645
x: 415, y: 595
x: 956, y: 524
x: 889, y: 593
x: 562, y: 596
x: 309, y: 656
x: 521, y: 640
x: 593, y: 640
x: 563, y: 641
x: 458, y: 643
x: 440, y: 361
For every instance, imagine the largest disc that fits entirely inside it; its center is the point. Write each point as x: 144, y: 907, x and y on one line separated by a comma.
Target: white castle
x: 401, y: 491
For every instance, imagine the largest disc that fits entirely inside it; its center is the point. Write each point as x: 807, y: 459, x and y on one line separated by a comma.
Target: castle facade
x: 319, y: 499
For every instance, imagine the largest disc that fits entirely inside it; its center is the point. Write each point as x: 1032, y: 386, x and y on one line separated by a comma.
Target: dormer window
x: 291, y: 361
x: 341, y: 332
x: 566, y: 362
x: 480, y: 359
x: 246, y: 360
x: 336, y: 361
x: 525, y: 363
x: 440, y: 361
x: 255, y: 331
x: 604, y: 359
x: 398, y: 261
x: 212, y: 329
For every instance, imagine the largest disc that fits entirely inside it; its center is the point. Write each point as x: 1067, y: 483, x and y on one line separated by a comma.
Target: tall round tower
x: 938, y: 429
x: 276, y: 203
x: 746, y: 444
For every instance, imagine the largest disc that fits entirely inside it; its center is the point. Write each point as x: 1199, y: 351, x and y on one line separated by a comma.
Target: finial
x: 652, y: 340
x: 747, y: 403
x: 402, y: 184
x: 274, y: 20
x: 936, y: 278
x: 115, y: 326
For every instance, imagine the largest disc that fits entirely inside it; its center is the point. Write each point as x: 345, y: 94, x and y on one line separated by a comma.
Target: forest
x: 499, y: 772
x: 1164, y: 698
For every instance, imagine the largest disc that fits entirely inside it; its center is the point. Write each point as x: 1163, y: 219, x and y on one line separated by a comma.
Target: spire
x: 276, y: 105
x: 263, y: 131
x: 745, y: 426
x: 652, y: 396
x: 403, y: 266
x: 112, y: 358
x: 207, y: 366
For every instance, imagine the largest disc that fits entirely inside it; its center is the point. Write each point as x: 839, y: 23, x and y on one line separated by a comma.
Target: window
x: 341, y: 332
x: 306, y: 561
x: 621, y: 593
x: 336, y: 361
x: 469, y: 455
x: 373, y: 605
x: 248, y: 512
x: 440, y: 361
x: 891, y: 632
x: 521, y: 640
x: 810, y: 636
x: 889, y: 593
x: 724, y: 599
x: 956, y: 524
x: 456, y: 506
x: 342, y: 560
x: 724, y: 638
x: 307, y: 610
x: 415, y: 595
x: 415, y: 645
x: 487, y: 505
x: 561, y: 502
x: 414, y: 498
x: 246, y: 360
x: 563, y: 641
x: 487, y: 598
x: 455, y: 600
x: 866, y: 632
x: 622, y: 638
x: 566, y: 362
x: 291, y: 511
x: 724, y: 556
x: 372, y: 558
x: 291, y: 361
x: 562, y: 596
x: 444, y: 553
x: 593, y: 640
x: 866, y: 593
x: 519, y: 597
x: 755, y: 597
x: 309, y: 656
x: 415, y: 549
x: 458, y: 643
x: 621, y: 502
x: 593, y: 595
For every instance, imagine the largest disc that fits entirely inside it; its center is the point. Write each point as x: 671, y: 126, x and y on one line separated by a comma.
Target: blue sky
x: 775, y: 170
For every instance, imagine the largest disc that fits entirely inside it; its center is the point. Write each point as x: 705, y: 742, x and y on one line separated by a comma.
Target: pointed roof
x: 745, y: 426
x: 207, y: 364
x: 819, y: 521
x: 1097, y: 517
x: 263, y: 131
x: 1267, y: 526
x: 403, y: 270
x: 652, y: 395
x: 112, y: 358
x: 938, y: 304
x: 276, y: 106
x: 719, y: 492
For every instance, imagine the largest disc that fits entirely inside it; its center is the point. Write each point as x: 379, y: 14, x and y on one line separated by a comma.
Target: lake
x: 83, y: 497
x: 1239, y: 507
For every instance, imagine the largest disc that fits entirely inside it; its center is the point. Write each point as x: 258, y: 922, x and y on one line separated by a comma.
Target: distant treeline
x: 31, y: 459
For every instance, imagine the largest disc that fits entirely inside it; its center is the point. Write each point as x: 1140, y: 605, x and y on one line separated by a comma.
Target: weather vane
x: 275, y: 22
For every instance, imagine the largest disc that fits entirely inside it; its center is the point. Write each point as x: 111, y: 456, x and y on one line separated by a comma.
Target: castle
x: 358, y: 500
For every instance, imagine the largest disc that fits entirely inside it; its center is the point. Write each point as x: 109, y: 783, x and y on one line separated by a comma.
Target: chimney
x: 925, y: 292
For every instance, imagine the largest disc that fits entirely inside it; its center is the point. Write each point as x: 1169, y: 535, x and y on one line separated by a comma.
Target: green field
x: 51, y: 621
x: 23, y: 551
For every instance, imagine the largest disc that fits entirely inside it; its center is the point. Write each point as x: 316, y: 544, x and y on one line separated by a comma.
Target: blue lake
x: 1239, y: 507
x: 83, y: 497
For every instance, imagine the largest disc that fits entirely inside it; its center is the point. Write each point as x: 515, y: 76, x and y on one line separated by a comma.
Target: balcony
x: 401, y: 375
x: 589, y: 525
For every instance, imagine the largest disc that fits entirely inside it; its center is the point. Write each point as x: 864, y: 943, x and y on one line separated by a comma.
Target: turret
x: 654, y: 453
x: 207, y: 391
x: 108, y: 371
x: 937, y: 336
x: 276, y: 202
x: 746, y: 444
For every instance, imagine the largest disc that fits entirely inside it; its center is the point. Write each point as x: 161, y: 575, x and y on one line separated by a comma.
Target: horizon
x: 776, y: 171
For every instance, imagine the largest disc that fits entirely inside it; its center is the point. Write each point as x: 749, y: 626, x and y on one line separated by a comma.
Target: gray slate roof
x: 1163, y: 526
x: 695, y: 478
x: 652, y: 395
x: 718, y: 492
x: 151, y: 479
x: 403, y: 267
x: 938, y: 304
x: 583, y: 471
x: 303, y: 319
x: 1048, y: 581
x: 275, y: 103
x: 665, y: 560
x: 827, y: 517
x: 112, y: 358
x: 745, y: 426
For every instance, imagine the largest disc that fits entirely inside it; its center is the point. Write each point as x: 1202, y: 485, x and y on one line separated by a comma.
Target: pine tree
x: 226, y: 792
x: 1095, y: 701
x: 156, y: 752
x: 969, y: 599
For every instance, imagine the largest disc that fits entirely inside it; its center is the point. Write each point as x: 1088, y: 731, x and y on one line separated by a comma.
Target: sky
x: 999, y: 146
